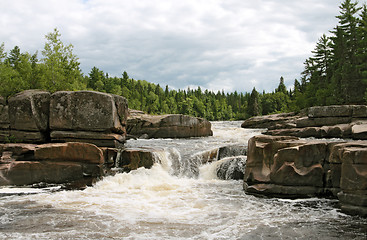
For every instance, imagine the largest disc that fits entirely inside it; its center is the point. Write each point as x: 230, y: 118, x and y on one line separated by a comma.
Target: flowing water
x: 175, y: 199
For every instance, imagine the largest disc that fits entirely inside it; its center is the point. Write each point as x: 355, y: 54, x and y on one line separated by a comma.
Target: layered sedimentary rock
x: 77, y: 123
x: 273, y: 121
x: 35, y: 116
x: 28, y: 114
x: 344, y: 121
x: 87, y: 116
x: 53, y: 163
x: 286, y: 166
x: 167, y: 126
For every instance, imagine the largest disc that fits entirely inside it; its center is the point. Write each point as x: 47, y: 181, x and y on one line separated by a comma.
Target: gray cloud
x: 230, y: 45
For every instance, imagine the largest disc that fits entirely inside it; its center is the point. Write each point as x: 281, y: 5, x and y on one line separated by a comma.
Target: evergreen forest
x: 335, y: 73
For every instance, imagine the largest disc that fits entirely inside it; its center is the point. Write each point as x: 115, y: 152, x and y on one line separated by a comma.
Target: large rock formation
x: 167, y: 126
x: 35, y: 116
x: 285, y: 166
x: 87, y: 116
x: 77, y: 122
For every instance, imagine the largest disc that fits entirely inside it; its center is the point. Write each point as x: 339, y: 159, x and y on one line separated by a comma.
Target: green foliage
x: 60, y: 66
x: 337, y: 71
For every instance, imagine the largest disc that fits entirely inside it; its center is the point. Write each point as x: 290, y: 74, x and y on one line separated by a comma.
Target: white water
x: 163, y: 203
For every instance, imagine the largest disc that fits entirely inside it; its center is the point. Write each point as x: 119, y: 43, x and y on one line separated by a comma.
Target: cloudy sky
x: 216, y: 44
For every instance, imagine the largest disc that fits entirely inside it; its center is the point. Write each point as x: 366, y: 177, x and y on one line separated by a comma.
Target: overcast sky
x: 216, y: 44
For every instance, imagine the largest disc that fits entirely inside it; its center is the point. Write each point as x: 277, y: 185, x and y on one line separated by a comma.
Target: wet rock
x: 132, y: 159
x: 231, y: 168
x: 30, y: 172
x: 231, y: 151
x: 167, y: 126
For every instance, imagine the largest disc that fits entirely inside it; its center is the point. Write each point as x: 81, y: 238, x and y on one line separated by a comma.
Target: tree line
x: 336, y: 73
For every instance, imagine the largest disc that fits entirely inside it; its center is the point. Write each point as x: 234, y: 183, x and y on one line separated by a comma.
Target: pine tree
x: 346, y: 78
x: 60, y: 65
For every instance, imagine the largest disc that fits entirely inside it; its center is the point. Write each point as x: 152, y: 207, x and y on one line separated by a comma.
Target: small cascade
x: 118, y: 158
x: 231, y: 168
x: 226, y: 162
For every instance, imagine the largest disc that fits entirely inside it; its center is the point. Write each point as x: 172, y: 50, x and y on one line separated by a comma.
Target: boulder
x: 167, y: 126
x: 132, y: 159
x: 88, y: 111
x: 231, y: 168
x: 88, y: 116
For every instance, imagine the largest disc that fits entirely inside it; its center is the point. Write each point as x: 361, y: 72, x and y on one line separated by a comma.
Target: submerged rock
x: 231, y: 168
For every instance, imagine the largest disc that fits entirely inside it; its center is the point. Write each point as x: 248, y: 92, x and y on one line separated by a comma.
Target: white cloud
x: 218, y: 44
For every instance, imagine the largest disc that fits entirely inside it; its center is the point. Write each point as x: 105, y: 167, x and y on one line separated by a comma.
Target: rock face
x: 35, y: 116
x: 58, y: 163
x: 167, y: 126
x: 285, y: 166
x: 87, y: 116
x: 28, y: 114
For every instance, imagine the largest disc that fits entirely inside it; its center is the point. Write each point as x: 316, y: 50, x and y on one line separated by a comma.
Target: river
x: 170, y: 201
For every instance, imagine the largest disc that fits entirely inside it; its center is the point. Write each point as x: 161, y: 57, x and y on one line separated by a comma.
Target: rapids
x: 176, y: 199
